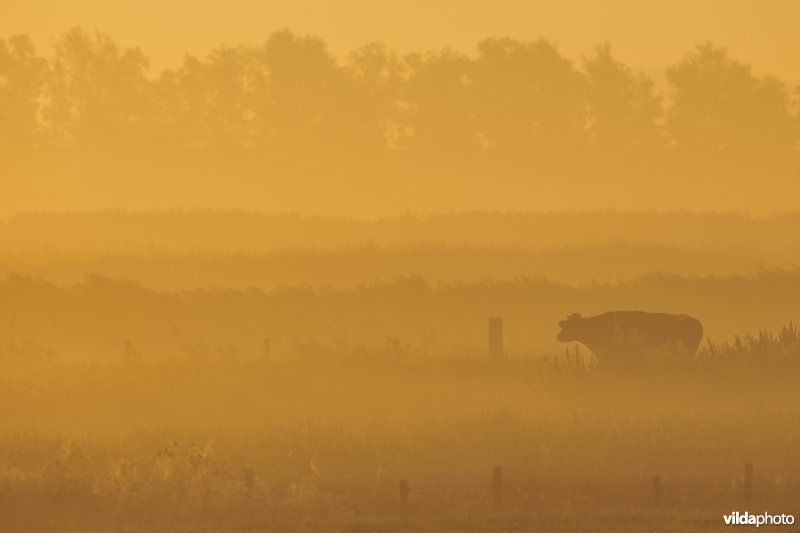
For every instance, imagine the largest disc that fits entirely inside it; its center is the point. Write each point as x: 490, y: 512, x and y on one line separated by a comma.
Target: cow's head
x: 570, y: 328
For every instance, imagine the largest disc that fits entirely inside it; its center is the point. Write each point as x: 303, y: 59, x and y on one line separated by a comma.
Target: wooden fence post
x: 657, y: 490
x: 404, y: 501
x: 495, y: 337
x: 497, y: 488
x: 394, y: 347
x: 130, y: 351
x: 748, y: 483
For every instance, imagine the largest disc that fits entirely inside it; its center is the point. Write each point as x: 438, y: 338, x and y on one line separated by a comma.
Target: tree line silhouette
x: 515, y: 101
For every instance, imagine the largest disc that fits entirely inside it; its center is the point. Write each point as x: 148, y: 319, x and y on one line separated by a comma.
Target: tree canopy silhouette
x: 720, y: 105
x: 22, y: 76
x: 625, y: 111
x: 286, y: 109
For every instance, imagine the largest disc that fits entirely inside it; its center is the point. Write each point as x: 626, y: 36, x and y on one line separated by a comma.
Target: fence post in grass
x: 404, y: 501
x: 748, y: 483
x: 394, y: 347
x: 130, y: 351
x: 495, y: 337
x: 497, y: 488
x: 266, y: 348
x: 657, y: 490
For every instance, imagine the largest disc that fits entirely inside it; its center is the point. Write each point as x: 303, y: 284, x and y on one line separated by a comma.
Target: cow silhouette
x: 630, y: 337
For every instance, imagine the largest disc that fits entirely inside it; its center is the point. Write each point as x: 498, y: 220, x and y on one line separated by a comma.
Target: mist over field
x: 183, y: 368
x: 283, y: 269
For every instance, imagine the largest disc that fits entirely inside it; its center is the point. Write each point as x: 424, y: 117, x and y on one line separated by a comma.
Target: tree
x: 624, y: 109
x: 439, y: 118
x: 719, y: 105
x: 375, y: 76
x: 21, y: 79
x: 305, y: 89
x: 528, y: 97
x: 213, y: 102
x: 98, y: 94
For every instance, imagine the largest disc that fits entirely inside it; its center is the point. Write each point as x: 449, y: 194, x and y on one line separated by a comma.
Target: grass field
x: 238, y: 444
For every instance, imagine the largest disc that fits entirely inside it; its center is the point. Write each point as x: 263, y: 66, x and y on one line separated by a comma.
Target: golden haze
x: 247, y: 272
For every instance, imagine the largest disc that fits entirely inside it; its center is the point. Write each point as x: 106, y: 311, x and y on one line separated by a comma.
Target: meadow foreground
x: 230, y: 443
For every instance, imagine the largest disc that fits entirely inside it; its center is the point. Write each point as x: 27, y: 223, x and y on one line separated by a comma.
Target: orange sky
x: 647, y: 33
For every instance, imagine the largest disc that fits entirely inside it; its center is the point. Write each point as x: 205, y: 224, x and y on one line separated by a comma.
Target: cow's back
x: 656, y: 330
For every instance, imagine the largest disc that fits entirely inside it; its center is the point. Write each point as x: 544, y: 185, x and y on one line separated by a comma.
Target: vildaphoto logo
x: 746, y: 519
